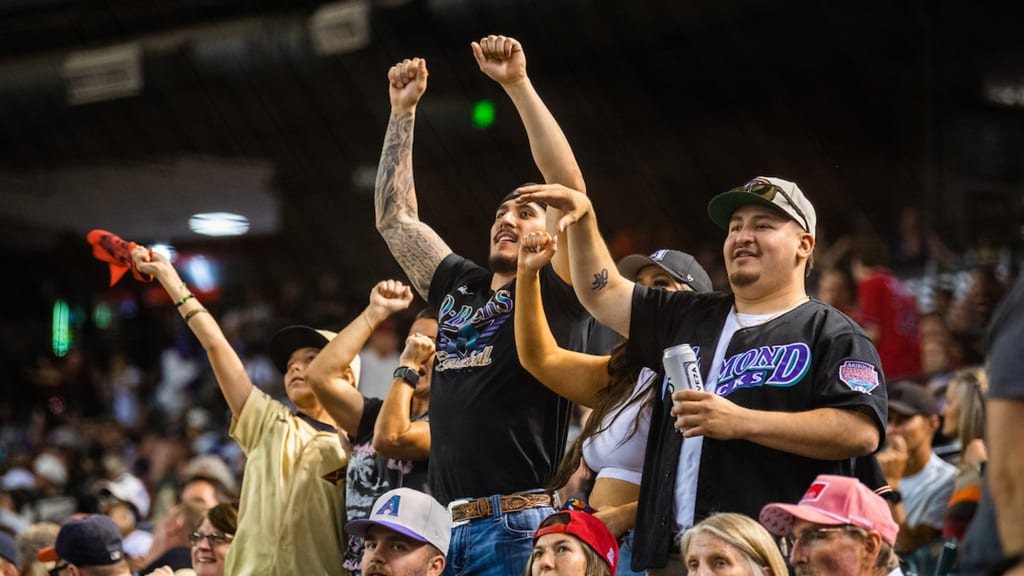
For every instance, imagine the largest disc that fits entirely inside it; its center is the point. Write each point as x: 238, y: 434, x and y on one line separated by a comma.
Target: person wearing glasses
x: 209, y: 543
x: 88, y: 546
x: 730, y: 544
x: 838, y: 528
x: 793, y: 388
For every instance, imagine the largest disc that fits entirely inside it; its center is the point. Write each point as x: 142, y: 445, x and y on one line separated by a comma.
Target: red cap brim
x: 48, y: 554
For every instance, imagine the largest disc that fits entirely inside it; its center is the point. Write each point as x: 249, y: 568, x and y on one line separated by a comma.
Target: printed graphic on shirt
x: 782, y: 366
x: 859, y: 376
x: 465, y: 334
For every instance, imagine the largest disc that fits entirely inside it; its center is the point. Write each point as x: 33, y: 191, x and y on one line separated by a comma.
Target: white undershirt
x: 689, y: 455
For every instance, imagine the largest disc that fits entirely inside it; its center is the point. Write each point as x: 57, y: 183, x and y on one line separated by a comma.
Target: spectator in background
x: 964, y: 419
x: 171, y: 546
x: 91, y: 545
x: 886, y: 310
x: 30, y: 542
x: 8, y: 555
x: 969, y: 317
x: 1004, y: 431
x: 917, y: 246
x: 836, y: 288
x: 378, y: 360
x: 573, y: 543
x: 839, y: 528
x: 293, y: 490
x: 212, y: 540
x: 730, y: 544
x: 923, y: 480
x: 208, y: 480
x: 370, y: 474
x: 126, y: 501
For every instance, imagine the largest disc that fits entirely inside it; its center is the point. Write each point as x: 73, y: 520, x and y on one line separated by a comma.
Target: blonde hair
x: 973, y: 389
x: 744, y: 534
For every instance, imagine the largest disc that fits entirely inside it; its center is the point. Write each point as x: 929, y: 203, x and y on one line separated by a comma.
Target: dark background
x: 870, y: 106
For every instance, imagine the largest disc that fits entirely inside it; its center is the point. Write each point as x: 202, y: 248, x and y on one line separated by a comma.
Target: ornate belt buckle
x: 451, y: 509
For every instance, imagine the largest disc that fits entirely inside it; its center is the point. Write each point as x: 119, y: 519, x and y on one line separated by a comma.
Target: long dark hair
x: 610, y: 399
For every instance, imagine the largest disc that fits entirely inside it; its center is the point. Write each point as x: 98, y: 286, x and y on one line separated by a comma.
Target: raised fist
x: 407, y: 81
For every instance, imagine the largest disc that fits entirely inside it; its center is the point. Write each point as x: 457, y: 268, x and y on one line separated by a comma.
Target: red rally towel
x: 117, y: 253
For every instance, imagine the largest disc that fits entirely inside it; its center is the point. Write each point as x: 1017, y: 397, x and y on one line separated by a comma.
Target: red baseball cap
x: 834, y: 501
x: 587, y: 528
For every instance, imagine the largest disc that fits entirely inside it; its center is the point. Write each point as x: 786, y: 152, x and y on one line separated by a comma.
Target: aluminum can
x: 682, y: 369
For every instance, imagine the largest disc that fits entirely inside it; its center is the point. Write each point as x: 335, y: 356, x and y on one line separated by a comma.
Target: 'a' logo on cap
x: 814, y: 492
x: 390, y: 507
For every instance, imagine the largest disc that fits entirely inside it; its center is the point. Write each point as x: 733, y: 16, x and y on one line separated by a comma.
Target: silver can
x: 681, y: 367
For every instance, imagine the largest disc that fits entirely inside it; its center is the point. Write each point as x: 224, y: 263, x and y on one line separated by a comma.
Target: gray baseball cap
x: 765, y: 191
x: 679, y: 265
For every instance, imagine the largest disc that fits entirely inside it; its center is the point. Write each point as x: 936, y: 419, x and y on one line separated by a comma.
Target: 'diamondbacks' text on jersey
x: 494, y: 428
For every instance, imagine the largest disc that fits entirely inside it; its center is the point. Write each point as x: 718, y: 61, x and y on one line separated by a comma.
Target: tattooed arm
x: 605, y: 293
x: 416, y: 247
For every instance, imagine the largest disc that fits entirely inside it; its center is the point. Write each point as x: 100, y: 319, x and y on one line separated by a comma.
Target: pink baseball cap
x: 587, y: 528
x: 834, y: 501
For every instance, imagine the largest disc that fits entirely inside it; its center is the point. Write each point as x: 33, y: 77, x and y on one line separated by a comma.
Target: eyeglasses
x: 767, y: 190
x: 812, y: 536
x: 56, y: 570
x: 214, y: 538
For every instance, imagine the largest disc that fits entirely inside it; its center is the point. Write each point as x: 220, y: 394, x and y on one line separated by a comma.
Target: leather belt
x: 482, y: 508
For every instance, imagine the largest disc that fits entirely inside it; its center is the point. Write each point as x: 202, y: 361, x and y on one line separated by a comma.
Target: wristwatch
x: 894, y: 497
x: 408, y: 375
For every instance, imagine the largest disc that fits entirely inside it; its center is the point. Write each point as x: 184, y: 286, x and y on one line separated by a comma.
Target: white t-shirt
x: 926, y: 494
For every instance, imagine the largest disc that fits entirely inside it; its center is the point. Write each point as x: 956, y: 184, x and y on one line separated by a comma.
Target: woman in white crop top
x: 614, y: 438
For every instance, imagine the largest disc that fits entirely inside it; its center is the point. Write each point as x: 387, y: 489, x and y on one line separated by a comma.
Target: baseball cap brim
x: 778, y: 518
x: 362, y: 526
x: 289, y: 339
x: 721, y: 207
x: 631, y: 265
x: 904, y: 408
x: 47, y: 554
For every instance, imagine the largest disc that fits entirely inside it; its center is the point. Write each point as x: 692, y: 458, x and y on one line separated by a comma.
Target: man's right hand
x: 407, y: 81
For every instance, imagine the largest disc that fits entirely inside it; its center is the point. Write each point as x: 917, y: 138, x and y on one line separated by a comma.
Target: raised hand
x: 501, y: 58
x: 153, y: 263
x: 388, y: 297
x: 893, y: 459
x: 573, y: 204
x: 407, y: 81
x: 419, y: 350
x: 535, y: 250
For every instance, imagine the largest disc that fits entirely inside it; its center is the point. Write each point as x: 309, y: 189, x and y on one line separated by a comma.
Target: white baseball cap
x: 409, y: 512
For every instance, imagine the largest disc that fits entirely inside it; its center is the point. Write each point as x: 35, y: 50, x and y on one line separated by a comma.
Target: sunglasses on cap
x: 767, y: 190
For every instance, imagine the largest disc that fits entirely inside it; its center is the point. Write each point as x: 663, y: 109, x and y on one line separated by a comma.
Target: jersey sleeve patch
x: 859, y: 376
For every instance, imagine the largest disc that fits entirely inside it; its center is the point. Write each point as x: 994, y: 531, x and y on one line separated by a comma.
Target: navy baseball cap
x: 90, y: 541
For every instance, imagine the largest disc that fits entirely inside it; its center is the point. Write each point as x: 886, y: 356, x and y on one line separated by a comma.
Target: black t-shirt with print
x: 494, y: 428
x: 811, y: 357
x: 370, y: 474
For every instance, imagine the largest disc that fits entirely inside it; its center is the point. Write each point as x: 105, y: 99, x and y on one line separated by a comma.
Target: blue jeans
x: 626, y: 557
x: 498, y: 545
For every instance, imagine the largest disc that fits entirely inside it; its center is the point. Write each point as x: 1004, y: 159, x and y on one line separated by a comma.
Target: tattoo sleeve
x: 416, y: 247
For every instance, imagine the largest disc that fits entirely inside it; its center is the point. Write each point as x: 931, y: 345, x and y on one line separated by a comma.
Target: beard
x: 503, y: 264
x: 743, y: 279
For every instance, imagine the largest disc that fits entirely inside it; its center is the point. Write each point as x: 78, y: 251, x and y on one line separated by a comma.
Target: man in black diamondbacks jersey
x: 794, y: 388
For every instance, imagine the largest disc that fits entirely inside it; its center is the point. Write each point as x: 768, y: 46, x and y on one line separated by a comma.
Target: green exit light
x: 483, y: 114
x: 61, y: 335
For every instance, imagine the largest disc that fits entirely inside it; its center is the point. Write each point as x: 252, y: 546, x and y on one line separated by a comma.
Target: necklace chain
x: 797, y: 302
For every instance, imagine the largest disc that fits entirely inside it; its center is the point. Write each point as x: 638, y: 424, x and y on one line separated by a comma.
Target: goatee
x: 743, y: 279
x: 503, y: 264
